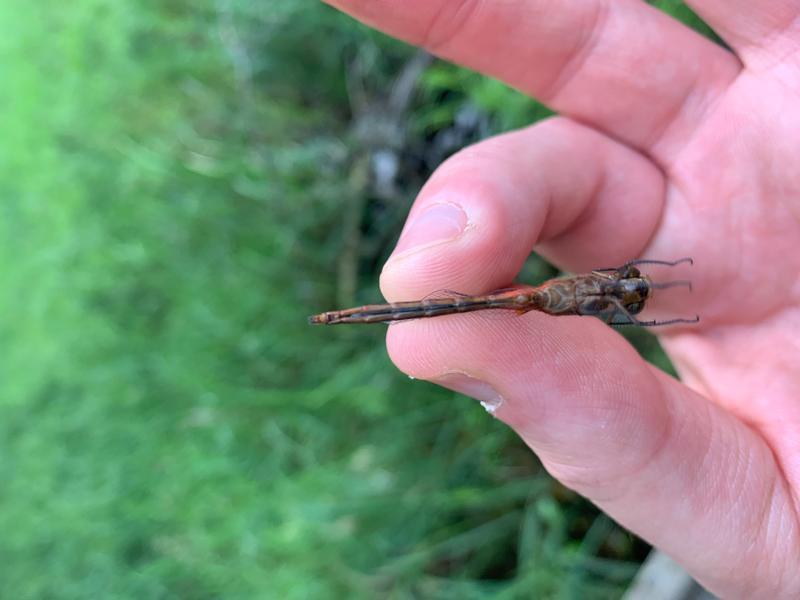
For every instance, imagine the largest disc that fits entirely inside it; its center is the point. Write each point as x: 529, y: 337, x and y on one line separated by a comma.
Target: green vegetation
x: 177, y: 183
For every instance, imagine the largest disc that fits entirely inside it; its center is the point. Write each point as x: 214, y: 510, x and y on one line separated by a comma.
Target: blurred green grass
x: 172, y: 182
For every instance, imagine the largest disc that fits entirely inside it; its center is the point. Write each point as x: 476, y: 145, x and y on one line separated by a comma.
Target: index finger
x: 622, y: 66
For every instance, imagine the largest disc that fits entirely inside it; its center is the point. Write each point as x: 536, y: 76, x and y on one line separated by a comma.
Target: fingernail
x: 437, y: 223
x: 489, y: 398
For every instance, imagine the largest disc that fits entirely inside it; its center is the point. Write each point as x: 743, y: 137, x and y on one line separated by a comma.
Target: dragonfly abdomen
x: 401, y: 311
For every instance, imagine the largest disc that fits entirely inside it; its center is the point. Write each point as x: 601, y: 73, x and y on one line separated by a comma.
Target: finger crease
x: 580, y: 54
x: 765, y: 43
x: 621, y: 483
x: 455, y: 22
x: 671, y: 117
x: 706, y: 106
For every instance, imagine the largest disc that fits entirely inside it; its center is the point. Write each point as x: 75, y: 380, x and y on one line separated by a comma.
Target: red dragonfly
x: 614, y: 295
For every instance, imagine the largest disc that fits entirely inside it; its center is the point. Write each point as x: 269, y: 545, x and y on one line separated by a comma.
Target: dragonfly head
x: 633, y: 288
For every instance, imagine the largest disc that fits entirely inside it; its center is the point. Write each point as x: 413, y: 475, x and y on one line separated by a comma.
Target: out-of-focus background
x: 181, y: 184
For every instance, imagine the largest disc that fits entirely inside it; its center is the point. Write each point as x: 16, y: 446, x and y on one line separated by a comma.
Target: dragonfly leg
x: 633, y: 263
x: 632, y: 320
x: 607, y: 316
x: 668, y: 263
x: 619, y: 309
x: 655, y: 323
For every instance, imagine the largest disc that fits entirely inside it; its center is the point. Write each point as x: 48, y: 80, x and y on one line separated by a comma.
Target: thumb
x: 662, y: 460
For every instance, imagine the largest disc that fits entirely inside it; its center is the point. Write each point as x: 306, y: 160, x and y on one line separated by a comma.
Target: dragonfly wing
x: 444, y: 293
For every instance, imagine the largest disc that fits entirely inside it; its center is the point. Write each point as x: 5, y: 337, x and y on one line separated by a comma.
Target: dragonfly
x: 615, y: 295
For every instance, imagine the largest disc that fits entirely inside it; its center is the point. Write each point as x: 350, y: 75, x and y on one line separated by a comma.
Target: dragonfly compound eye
x: 629, y: 272
x: 635, y: 308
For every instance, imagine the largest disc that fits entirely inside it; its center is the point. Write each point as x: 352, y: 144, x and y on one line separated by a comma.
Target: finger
x: 660, y: 459
x: 755, y: 30
x: 584, y: 199
x: 622, y: 66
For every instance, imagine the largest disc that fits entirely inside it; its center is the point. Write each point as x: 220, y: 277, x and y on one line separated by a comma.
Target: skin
x: 666, y: 146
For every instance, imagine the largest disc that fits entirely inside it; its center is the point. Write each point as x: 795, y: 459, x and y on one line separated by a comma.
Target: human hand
x: 668, y: 146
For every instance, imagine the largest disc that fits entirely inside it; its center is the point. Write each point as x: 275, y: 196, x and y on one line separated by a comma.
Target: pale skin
x: 667, y: 146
